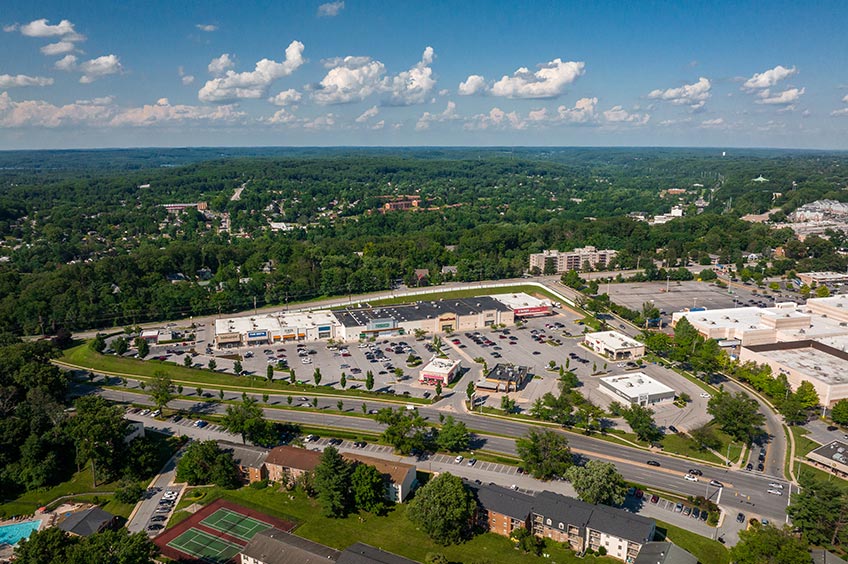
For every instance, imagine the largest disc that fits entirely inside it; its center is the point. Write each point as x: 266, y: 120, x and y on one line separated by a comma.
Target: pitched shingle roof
x: 85, y: 523
x: 360, y: 553
x: 274, y: 546
x: 292, y: 457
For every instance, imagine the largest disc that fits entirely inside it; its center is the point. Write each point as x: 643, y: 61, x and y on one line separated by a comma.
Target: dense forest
x: 86, y: 241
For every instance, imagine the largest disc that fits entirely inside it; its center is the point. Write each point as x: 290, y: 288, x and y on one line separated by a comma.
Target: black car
x: 832, y: 427
x: 652, y: 463
x: 695, y: 472
x: 154, y: 527
x: 749, y: 467
x: 673, y: 429
x: 760, y: 467
x: 740, y: 518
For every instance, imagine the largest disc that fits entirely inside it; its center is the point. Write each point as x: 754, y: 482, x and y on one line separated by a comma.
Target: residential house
x: 361, y: 553
x: 273, y: 546
x: 249, y: 459
x: 88, y: 522
x: 286, y: 463
x: 400, y: 478
x: 664, y: 553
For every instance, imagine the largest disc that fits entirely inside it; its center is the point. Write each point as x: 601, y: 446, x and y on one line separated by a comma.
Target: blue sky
x: 356, y: 72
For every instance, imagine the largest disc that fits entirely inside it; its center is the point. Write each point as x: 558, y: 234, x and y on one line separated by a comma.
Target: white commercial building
x: 819, y: 278
x: 272, y: 328
x: 614, y: 345
x: 525, y: 305
x: 563, y: 261
x: 819, y: 364
x: 439, y: 370
x: 638, y: 388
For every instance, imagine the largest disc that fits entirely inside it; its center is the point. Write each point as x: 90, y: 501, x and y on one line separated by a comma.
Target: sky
x: 170, y: 73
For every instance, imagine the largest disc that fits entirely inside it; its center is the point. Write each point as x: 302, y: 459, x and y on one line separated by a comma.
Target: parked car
x: 458, y: 459
x: 655, y: 498
x: 740, y: 517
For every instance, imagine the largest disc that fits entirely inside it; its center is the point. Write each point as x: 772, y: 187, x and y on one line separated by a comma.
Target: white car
x: 776, y: 486
x: 690, y: 478
x: 775, y: 492
x: 458, y: 459
x: 705, y: 395
x: 362, y: 345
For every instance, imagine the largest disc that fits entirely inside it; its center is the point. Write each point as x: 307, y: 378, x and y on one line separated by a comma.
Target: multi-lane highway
x: 743, y: 491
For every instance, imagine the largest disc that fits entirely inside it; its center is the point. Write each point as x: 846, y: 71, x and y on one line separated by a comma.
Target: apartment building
x: 578, y: 259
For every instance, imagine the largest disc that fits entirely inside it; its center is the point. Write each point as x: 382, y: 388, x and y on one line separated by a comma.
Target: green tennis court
x: 202, y: 545
x: 235, y: 524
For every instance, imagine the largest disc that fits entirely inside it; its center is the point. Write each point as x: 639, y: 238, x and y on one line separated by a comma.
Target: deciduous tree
x: 544, y: 453
x: 598, y: 482
x: 442, y: 509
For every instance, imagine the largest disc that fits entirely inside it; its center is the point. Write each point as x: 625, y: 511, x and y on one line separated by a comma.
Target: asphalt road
x: 743, y: 491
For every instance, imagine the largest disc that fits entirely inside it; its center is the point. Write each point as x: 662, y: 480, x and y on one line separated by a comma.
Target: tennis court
x: 204, y: 546
x: 235, y: 524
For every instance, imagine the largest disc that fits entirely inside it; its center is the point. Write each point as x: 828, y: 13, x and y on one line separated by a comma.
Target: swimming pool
x: 11, y: 534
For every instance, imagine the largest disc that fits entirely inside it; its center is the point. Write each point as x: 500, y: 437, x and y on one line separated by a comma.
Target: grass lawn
x: 79, y: 483
x: 803, y: 445
x: 806, y: 470
x: 684, y: 445
x: 393, y: 532
x: 450, y: 294
x: 82, y: 356
x: 706, y: 550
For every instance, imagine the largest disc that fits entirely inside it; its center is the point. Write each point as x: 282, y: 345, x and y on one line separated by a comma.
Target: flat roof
x: 835, y: 452
x: 615, y: 340
x: 274, y: 322
x: 811, y: 358
x: 418, y: 311
x: 507, y: 373
x: 515, y: 301
x: 440, y: 366
x: 829, y: 275
x: 636, y: 384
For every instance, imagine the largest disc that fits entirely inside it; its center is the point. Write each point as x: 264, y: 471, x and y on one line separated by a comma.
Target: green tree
x: 436, y: 558
x: 143, y: 347
x: 405, y: 430
x: 340, y: 405
x: 98, y: 432
x: 572, y: 279
x: 369, y: 380
x: 212, y: 365
x: 128, y: 491
x: 767, y: 545
x: 221, y: 394
x: 118, y: 547
x: 187, y: 360
x: 598, y: 482
x: 315, y: 402
x: 658, y: 342
x: 527, y: 541
x: 332, y: 479
x: 246, y: 419
x: 453, y: 436
x: 368, y: 487
x: 705, y: 437
x: 269, y: 373
x: 442, y: 508
x: 98, y: 343
x: 737, y: 415
x: 567, y: 381
x: 839, y: 413
x: 121, y: 346
x: 47, y: 546
x: 820, y: 510
x: 316, y: 376
x: 161, y: 389
x: 289, y: 400
x: 343, y: 381
x: 469, y: 391
x: 793, y: 411
x: 203, y: 462
x: 292, y: 378
x: 265, y: 397
x: 544, y: 453
x: 364, y: 408
x: 806, y: 395
x: 822, y: 291
x: 641, y: 421
x: 438, y: 389
x: 237, y: 367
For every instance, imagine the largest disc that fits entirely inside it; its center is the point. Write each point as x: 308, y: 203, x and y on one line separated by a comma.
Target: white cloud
x: 786, y: 97
x: 769, y: 78
x: 187, y: 79
x: 444, y: 92
x: 845, y: 99
x: 449, y: 114
x: 99, y: 67
x: 330, y: 9
x: 496, y: 119
x: 102, y: 112
x: 379, y: 125
x: 41, y: 28
x: 286, y: 97
x: 350, y: 80
x: 717, y: 123
x: 58, y: 48
x: 414, y: 85
x: 692, y: 95
x: 538, y: 115
x: 582, y: 112
x: 617, y: 114
x: 66, y: 63
x: 163, y: 113
x: 548, y: 82
x: 321, y: 122
x: 207, y: 27
x: 282, y: 116
x: 474, y: 84
x: 368, y: 114
x: 220, y: 65
x: 11, y: 81
x: 842, y: 112
x: 254, y: 84
x: 10, y: 28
